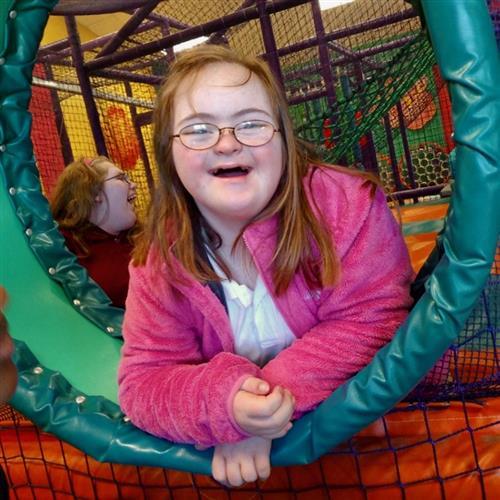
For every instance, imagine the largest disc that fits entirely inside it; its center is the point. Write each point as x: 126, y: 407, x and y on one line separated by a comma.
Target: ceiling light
x: 190, y: 43
x: 329, y: 4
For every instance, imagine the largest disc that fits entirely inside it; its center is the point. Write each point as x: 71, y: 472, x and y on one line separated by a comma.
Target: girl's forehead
x: 220, y: 74
x: 109, y: 167
x: 229, y: 81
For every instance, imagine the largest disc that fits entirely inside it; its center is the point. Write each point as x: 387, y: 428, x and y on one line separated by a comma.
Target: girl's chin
x: 238, y: 213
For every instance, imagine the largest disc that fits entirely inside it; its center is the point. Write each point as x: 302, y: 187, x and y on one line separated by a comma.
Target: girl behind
x: 93, y: 205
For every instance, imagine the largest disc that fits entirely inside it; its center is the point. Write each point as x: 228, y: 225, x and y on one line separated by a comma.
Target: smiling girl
x: 93, y: 204
x: 263, y: 279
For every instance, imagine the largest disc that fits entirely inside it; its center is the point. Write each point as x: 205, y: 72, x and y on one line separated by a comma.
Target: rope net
x: 361, y: 81
x: 363, y: 86
x: 438, y: 443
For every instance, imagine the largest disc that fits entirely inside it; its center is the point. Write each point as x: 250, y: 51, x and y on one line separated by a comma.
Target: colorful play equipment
x: 391, y: 431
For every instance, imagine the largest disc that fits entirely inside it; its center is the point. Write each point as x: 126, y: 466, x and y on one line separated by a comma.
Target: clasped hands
x: 265, y: 415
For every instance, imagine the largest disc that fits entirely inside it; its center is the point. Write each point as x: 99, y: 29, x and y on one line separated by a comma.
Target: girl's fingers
x: 266, y: 406
x: 285, y: 411
x: 275, y: 421
x: 248, y: 470
x: 252, y: 406
x: 255, y: 385
x: 233, y: 473
x: 264, y: 416
x: 262, y: 466
x: 219, y: 467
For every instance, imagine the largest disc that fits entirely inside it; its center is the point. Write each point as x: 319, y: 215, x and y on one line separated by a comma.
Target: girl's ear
x: 98, y: 199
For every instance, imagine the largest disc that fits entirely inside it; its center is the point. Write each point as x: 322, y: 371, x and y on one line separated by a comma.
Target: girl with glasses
x: 262, y: 280
x: 93, y: 202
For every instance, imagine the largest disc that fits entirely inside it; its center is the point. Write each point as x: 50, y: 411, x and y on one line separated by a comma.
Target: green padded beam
x: 68, y: 365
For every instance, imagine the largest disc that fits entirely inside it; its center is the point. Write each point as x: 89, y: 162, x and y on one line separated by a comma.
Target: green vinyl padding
x: 68, y: 364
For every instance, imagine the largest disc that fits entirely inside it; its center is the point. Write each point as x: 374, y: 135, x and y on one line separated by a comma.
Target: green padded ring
x: 68, y: 365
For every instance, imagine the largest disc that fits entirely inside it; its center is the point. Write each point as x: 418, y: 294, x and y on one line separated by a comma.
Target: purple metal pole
x: 173, y: 23
x: 406, y: 146
x: 414, y: 193
x: 53, y: 47
x: 91, y: 45
x: 392, y: 153
x: 368, y: 150
x: 208, y: 28
x: 85, y: 86
x: 271, y: 54
x: 350, y: 55
x: 118, y: 74
x: 352, y: 30
x: 128, y: 76
x: 81, y: 8
x: 128, y: 28
x: 142, y: 146
x: 361, y: 54
x: 354, y: 56
x: 324, y: 59
x: 219, y: 37
x: 144, y: 118
x: 67, y: 152
x: 305, y: 98
x: 165, y: 27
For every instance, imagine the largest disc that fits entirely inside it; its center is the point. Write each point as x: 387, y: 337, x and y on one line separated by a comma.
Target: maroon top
x: 106, y: 262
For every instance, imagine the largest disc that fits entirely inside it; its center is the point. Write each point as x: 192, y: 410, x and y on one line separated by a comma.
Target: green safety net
x: 68, y: 365
x: 380, y: 91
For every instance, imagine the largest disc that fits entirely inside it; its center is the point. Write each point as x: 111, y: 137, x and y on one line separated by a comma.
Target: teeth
x: 218, y: 171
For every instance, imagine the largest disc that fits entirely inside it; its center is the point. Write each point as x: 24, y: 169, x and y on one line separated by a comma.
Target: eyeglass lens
x: 122, y: 177
x: 206, y: 135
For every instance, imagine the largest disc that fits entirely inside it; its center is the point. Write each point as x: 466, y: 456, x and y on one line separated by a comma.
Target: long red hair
x: 174, y: 221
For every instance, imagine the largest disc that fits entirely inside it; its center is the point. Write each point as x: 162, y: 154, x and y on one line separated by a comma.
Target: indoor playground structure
x: 408, y: 90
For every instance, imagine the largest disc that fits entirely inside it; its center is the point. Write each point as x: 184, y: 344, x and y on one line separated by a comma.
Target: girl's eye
x: 250, y: 125
x: 197, y: 130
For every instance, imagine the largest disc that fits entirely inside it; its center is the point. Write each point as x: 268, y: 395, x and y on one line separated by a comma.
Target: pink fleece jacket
x: 179, y: 373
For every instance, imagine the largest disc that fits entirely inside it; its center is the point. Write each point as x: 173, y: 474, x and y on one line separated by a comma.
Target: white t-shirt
x: 259, y: 330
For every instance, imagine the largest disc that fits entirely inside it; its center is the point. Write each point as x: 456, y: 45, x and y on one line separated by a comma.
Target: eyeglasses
x: 121, y: 177
x: 201, y: 136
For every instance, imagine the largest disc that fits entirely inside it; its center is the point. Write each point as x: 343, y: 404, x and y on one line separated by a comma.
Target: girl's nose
x: 227, y: 142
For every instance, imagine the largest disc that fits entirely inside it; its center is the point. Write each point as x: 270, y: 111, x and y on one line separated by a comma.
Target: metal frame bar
x: 81, y: 8
x: 47, y: 53
x: 128, y: 28
x: 208, y: 28
x: 86, y: 89
x: 76, y: 89
x: 324, y: 58
x: 269, y: 41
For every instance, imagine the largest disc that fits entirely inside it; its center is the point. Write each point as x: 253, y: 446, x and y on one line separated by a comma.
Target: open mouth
x: 230, y: 172
x: 131, y: 198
